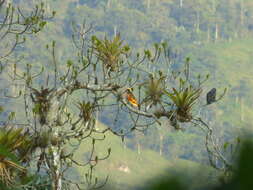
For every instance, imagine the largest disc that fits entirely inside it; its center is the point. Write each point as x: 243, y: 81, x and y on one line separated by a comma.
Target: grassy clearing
x: 129, y: 170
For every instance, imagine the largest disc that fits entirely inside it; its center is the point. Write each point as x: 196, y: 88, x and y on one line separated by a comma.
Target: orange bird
x: 130, y: 97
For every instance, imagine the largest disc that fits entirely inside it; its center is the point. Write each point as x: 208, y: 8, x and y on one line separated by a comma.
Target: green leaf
x: 11, y: 116
x: 164, y: 45
x: 1, y: 109
x: 147, y: 53
x: 42, y: 24
x: 6, y: 153
x: 3, y: 186
x: 36, y: 108
x: 225, y: 145
x: 69, y: 63
x: 28, y: 179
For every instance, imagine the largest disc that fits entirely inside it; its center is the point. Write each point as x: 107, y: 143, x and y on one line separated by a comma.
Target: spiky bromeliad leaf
x: 184, y: 100
x: 8, y: 165
x: 14, y: 146
x: 154, y: 89
x: 14, y: 140
x: 110, y: 51
x: 5, y: 153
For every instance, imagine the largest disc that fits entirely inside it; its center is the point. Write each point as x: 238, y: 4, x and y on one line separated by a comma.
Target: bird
x: 211, y: 96
x: 131, y: 98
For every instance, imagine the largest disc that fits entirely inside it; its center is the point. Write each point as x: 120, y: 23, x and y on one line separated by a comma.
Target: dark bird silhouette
x: 211, y: 96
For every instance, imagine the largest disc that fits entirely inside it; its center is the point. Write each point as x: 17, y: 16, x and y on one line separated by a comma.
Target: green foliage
x: 142, y: 26
x: 38, y: 182
x: 172, y: 183
x: 147, y: 165
x: 42, y: 102
x: 110, y: 52
x: 154, y: 89
x: 86, y: 110
x: 242, y: 177
x: 240, y: 180
x: 14, y: 149
x: 184, y: 100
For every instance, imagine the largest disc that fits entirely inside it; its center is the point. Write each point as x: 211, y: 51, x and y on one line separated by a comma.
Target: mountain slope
x: 129, y: 170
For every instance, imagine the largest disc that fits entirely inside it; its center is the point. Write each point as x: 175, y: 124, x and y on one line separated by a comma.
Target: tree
x: 103, y: 72
x: 104, y: 69
x: 15, y: 147
x: 15, y: 25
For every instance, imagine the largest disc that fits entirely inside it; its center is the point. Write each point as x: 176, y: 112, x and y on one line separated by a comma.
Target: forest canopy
x: 84, y: 82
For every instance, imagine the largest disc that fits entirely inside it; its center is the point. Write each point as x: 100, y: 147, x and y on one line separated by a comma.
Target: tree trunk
x: 181, y: 3
x: 242, y: 13
x: 115, y: 30
x: 242, y: 109
x: 55, y: 149
x: 208, y: 34
x: 197, y: 22
x: 48, y: 8
x: 235, y: 34
x: 56, y: 166
x: 138, y: 148
x: 236, y: 100
x: 148, y: 4
x: 138, y: 143
x: 124, y: 145
x: 109, y: 4
x: 161, y: 145
x: 216, y: 32
x: 241, y: 18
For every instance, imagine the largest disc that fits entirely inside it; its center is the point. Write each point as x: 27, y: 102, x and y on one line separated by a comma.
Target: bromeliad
x: 184, y: 100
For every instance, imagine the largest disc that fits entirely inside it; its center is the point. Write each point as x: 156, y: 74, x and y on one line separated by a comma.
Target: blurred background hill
x: 217, y: 35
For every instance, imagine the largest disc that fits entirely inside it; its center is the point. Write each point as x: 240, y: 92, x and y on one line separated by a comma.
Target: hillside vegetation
x: 217, y: 36
x: 127, y: 169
